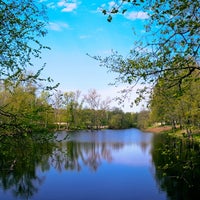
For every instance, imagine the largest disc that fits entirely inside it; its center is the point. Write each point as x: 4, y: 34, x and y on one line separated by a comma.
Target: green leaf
x: 109, y: 19
x: 104, y: 12
x: 123, y: 11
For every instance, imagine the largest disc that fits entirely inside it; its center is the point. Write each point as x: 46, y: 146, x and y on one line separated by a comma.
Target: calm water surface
x: 99, y: 165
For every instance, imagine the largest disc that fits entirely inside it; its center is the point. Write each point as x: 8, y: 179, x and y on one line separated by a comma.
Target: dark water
x: 108, y: 164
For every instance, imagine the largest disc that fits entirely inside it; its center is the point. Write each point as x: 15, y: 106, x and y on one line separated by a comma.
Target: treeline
x: 25, y: 108
x: 177, y: 104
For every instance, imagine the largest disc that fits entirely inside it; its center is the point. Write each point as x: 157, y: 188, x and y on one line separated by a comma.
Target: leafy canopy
x: 22, y: 23
x: 174, y: 47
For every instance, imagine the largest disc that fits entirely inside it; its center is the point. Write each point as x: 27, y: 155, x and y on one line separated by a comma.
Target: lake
x: 100, y: 165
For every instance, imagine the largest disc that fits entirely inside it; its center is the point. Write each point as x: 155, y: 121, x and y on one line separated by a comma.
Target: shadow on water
x: 19, y: 158
x: 177, y: 164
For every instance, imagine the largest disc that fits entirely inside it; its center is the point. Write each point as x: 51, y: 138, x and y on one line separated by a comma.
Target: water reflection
x: 28, y: 166
x: 177, y: 165
x: 19, y: 159
x: 76, y: 155
x: 91, y: 149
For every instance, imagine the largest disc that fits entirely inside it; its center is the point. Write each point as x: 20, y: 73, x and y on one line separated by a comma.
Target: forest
x: 25, y: 110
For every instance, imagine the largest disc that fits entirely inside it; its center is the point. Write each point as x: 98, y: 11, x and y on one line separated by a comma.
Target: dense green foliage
x: 26, y: 109
x: 23, y: 23
x: 89, y: 111
x: 178, y: 105
x: 21, y: 109
x: 167, y: 64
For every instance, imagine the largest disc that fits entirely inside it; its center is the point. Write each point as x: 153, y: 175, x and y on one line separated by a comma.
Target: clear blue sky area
x: 78, y: 27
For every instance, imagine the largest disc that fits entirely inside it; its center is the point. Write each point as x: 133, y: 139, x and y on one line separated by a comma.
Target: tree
x: 175, y: 105
x: 143, y: 119
x: 21, y: 110
x: 98, y: 107
x: 93, y: 100
x: 22, y: 23
x: 58, y: 105
x: 73, y: 106
x: 47, y: 111
x: 163, y: 103
x: 173, y: 26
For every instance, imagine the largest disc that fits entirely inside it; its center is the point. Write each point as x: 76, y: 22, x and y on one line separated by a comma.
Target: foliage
x: 117, y: 119
x: 22, y: 23
x: 74, y: 111
x: 22, y: 111
x: 143, y: 121
x: 173, y: 48
x: 175, y: 105
x: 26, y: 109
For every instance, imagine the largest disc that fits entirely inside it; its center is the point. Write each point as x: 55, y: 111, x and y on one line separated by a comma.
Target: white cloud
x: 84, y: 36
x: 111, y: 4
x: 59, y: 26
x: 51, y: 5
x: 108, y: 6
x: 61, y: 3
x: 137, y: 15
x: 103, y: 5
x: 68, y: 7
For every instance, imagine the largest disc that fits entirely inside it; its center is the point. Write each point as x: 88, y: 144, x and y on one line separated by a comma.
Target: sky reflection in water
x: 108, y: 164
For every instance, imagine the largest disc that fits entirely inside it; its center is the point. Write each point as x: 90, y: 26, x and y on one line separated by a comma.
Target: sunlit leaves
x: 22, y: 22
x: 174, y: 47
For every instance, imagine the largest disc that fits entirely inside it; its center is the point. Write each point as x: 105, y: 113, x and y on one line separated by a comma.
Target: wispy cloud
x: 137, y: 15
x: 57, y: 26
x: 51, y: 5
x: 111, y: 4
x: 107, y: 6
x: 67, y: 7
x: 82, y: 37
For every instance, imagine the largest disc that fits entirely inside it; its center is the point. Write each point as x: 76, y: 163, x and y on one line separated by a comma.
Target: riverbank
x: 177, y: 133
x: 158, y: 129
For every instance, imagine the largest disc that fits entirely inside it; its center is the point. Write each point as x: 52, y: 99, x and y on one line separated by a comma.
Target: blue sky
x: 78, y: 27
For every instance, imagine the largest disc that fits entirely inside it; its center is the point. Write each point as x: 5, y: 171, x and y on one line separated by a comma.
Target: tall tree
x: 177, y: 105
x: 58, y: 105
x: 73, y: 105
x: 98, y: 107
x: 22, y: 24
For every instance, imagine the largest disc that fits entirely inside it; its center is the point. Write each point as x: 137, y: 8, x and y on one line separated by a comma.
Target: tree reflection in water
x: 177, y: 165
x: 22, y: 159
x: 19, y: 159
x: 73, y: 155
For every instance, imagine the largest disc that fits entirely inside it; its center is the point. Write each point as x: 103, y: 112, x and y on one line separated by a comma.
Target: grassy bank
x: 177, y: 133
